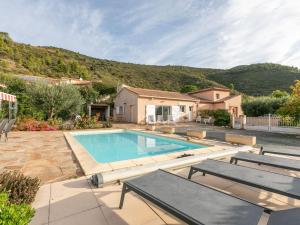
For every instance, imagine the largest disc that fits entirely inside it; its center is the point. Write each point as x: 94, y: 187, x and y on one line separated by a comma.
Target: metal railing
x: 270, y: 123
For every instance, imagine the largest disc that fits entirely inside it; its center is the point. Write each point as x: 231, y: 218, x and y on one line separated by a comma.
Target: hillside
x: 17, y: 58
x: 258, y: 79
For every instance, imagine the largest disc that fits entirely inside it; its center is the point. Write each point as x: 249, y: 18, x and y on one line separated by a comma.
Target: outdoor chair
x: 289, y: 164
x: 287, y: 152
x: 198, y: 119
x: 273, y: 182
x: 171, y: 119
x: 160, y: 119
x: 151, y: 119
x: 7, y: 129
x: 3, y: 123
x: 197, y: 204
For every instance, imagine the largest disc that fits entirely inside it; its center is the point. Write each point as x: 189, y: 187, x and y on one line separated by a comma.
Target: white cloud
x: 200, y: 33
x: 72, y: 25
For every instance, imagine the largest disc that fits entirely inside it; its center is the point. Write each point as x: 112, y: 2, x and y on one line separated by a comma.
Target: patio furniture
x: 160, y: 119
x: 283, y: 163
x: 287, y: 152
x: 197, y: 204
x: 151, y: 119
x: 191, y: 202
x: 3, y: 124
x: 7, y: 129
x: 198, y: 119
x: 273, y: 182
x: 171, y: 119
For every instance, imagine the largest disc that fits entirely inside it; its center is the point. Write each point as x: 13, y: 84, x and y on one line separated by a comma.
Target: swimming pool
x: 123, y: 145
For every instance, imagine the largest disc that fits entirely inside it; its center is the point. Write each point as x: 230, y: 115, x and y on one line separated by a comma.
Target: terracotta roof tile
x: 210, y: 89
x: 161, y: 94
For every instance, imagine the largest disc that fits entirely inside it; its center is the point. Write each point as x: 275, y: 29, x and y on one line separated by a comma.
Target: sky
x: 198, y: 33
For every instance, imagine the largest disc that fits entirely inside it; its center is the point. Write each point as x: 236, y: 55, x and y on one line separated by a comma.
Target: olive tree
x: 56, y: 100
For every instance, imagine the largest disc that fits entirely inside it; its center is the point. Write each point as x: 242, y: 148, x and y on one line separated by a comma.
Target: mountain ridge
x: 48, y: 61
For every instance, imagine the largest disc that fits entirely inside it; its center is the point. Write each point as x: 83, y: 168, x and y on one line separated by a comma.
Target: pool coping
x: 90, y: 166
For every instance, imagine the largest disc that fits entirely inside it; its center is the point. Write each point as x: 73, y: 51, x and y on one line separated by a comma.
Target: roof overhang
x: 7, y: 97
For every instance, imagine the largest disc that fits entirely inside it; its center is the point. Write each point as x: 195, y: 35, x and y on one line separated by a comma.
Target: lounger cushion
x: 285, y: 217
x: 291, y: 152
x: 278, y: 183
x: 268, y: 160
x: 201, y: 204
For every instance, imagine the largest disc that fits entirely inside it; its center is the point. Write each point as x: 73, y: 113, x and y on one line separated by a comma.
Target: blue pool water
x: 123, y: 145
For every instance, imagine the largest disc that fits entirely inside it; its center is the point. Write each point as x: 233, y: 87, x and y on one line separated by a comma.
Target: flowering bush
x: 87, y: 123
x: 30, y: 124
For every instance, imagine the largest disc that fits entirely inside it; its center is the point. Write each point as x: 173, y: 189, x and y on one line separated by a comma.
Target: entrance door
x: 191, y: 113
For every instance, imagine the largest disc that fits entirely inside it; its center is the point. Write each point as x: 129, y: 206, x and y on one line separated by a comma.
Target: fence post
x: 269, y: 122
x: 243, y: 121
x: 232, y: 121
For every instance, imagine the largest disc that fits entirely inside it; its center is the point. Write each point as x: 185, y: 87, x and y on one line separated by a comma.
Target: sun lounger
x: 7, y: 128
x: 283, y: 163
x: 197, y: 204
x: 273, y: 182
x: 288, y: 152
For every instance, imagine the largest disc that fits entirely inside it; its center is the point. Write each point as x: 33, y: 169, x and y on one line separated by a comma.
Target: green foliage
x: 222, y: 117
x: 21, y: 189
x: 257, y: 79
x: 259, y: 106
x: 106, y: 124
x: 56, y: 63
x: 104, y: 89
x: 279, y: 94
x: 291, y: 107
x: 188, y: 88
x: 89, y: 94
x: 87, y: 123
x: 13, y: 214
x: 231, y: 86
x: 56, y: 101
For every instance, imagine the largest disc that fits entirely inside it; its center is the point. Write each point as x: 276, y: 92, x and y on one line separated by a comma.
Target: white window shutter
x: 175, y: 112
x: 150, y: 111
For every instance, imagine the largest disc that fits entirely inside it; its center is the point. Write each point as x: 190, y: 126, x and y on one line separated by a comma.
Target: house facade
x: 139, y: 105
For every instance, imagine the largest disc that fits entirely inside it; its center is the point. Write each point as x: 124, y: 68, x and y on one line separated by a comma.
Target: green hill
x: 17, y: 58
x: 258, y: 79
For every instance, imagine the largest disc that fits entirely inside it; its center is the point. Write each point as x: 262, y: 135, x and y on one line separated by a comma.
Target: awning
x: 7, y: 97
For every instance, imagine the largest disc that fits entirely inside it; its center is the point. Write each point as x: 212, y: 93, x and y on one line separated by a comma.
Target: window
x: 119, y: 110
x: 182, y: 108
x: 162, y: 112
x: 218, y: 96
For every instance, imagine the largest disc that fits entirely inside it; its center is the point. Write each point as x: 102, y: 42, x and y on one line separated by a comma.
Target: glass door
x: 162, y: 112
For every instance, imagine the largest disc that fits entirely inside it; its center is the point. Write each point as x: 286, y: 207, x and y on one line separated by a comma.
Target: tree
x: 231, y: 86
x: 292, y: 106
x: 279, y: 94
x: 259, y: 106
x: 56, y: 101
x: 188, y: 88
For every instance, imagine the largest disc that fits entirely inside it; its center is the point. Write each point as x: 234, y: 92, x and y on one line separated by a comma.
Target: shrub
x: 188, y: 88
x: 107, y: 124
x: 87, y: 123
x: 13, y: 214
x: 291, y: 107
x: 56, y: 101
x: 260, y: 106
x: 31, y: 124
x: 21, y: 189
x: 222, y: 117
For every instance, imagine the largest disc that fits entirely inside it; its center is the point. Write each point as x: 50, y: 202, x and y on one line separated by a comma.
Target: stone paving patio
x: 42, y: 154
x: 75, y: 202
